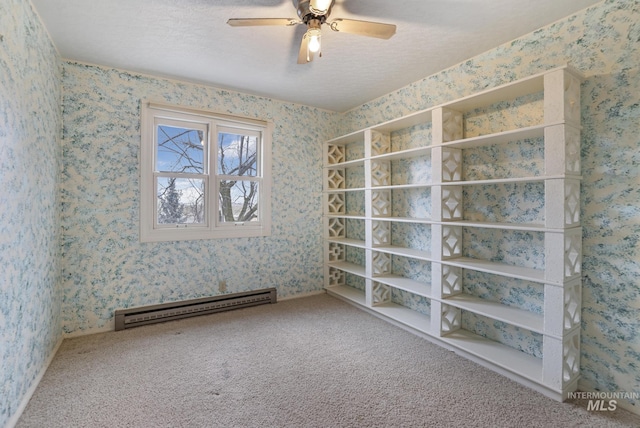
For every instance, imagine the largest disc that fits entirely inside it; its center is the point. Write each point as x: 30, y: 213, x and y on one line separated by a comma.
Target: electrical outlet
x: 222, y: 286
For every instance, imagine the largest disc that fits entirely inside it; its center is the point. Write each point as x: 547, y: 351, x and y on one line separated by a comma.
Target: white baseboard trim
x: 13, y: 420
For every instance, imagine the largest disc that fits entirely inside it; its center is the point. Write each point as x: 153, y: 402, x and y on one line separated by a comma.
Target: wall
x: 30, y: 159
x: 105, y: 265
x: 604, y: 43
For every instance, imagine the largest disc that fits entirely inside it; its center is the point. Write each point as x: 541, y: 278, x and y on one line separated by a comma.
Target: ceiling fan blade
x: 304, y: 56
x: 252, y: 22
x: 363, y: 28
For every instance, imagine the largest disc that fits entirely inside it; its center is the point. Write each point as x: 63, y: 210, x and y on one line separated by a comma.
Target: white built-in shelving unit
x: 372, y: 174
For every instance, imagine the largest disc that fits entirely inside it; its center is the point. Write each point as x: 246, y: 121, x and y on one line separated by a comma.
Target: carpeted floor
x: 309, y: 362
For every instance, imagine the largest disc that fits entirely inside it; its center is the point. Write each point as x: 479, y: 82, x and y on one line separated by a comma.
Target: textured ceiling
x: 190, y: 40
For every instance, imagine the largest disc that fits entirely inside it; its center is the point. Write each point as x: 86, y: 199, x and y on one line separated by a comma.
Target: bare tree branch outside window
x: 237, y: 157
x: 181, y: 200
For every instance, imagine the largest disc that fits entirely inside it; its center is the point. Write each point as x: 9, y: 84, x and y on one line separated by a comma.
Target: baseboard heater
x: 143, y: 315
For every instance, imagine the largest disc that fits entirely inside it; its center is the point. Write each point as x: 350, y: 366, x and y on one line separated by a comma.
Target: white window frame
x: 212, y: 228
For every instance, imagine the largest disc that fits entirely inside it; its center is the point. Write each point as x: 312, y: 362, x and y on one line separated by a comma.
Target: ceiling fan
x: 314, y: 13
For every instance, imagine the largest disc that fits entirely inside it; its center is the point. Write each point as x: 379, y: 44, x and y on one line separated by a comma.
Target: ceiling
x: 190, y: 40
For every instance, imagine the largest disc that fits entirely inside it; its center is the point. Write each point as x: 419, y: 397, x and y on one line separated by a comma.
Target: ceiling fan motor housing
x: 305, y: 13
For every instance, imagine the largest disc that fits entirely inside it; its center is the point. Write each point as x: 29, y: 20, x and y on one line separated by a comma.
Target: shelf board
x: 528, y: 227
x: 346, y: 164
x: 408, y: 121
x: 489, y: 350
x: 526, y: 86
x: 531, y: 179
x: 507, y: 91
x: 536, y: 131
x: 348, y: 293
x: 405, y: 252
x: 496, y: 353
x: 348, y: 241
x: 497, y: 311
x: 402, y: 186
x: 344, y: 140
x: 398, y: 313
x: 403, y: 154
x: 518, y: 272
x: 405, y: 220
x: 348, y: 189
x: 349, y: 268
x: 531, y: 227
x: 404, y: 315
x: 347, y: 216
x: 406, y: 284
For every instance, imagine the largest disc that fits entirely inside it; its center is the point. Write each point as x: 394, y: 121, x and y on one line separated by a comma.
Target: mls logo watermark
x: 603, y: 401
x: 602, y: 405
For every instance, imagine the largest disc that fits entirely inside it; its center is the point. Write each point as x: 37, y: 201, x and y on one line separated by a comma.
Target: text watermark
x: 603, y: 401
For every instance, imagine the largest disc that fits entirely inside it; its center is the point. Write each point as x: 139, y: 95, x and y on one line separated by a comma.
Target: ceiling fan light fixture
x: 314, y: 40
x: 320, y: 7
x: 312, y: 14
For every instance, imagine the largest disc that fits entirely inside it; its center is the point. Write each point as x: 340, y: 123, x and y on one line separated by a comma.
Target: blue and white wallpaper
x: 69, y: 244
x: 604, y: 43
x: 30, y: 160
x: 105, y: 266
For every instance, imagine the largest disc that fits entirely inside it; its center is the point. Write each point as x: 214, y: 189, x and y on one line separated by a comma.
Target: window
x: 203, y: 175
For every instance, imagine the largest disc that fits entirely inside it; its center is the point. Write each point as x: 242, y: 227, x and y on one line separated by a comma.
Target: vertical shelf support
x: 381, y: 294
x: 451, y: 205
x: 334, y: 203
x: 561, y: 362
x: 381, y: 203
x: 377, y: 204
x: 381, y: 233
x: 380, y: 143
x: 562, y: 203
x: 380, y: 173
x: 381, y: 264
x: 562, y: 153
x: 447, y: 125
x: 562, y: 97
x: 563, y: 255
x: 451, y: 280
x: 563, y: 247
x: 446, y: 205
x: 562, y: 308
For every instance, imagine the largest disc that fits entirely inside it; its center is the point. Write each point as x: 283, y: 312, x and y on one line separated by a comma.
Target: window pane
x: 238, y: 201
x: 181, y: 201
x: 179, y: 150
x: 237, y: 154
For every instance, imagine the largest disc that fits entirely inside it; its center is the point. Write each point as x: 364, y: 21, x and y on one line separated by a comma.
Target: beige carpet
x: 309, y: 362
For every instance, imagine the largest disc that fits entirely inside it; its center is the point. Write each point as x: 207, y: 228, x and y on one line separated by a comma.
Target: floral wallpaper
x: 604, y: 43
x: 105, y: 266
x: 69, y: 244
x: 30, y: 159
